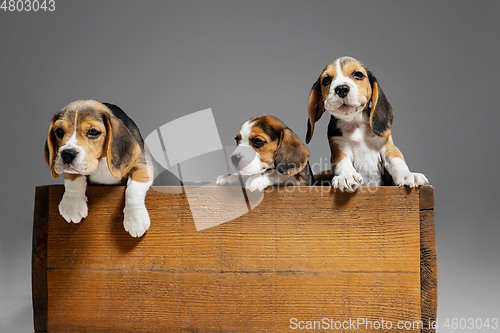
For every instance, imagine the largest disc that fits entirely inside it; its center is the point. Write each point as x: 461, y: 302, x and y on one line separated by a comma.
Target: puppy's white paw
x: 412, y: 179
x: 73, y: 208
x: 227, y: 180
x: 136, y: 220
x: 256, y: 183
x: 348, y: 181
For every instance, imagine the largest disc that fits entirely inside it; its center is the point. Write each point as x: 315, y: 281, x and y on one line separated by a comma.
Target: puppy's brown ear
x: 122, y: 149
x: 316, y: 108
x: 381, y: 111
x: 292, y: 155
x: 51, y: 148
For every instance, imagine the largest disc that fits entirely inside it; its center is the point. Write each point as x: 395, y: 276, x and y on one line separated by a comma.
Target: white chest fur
x: 102, y: 175
x: 363, y: 147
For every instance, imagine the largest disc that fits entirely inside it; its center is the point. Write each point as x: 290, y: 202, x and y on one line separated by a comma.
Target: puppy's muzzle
x: 68, y: 155
x: 236, y: 159
x: 242, y: 157
x: 342, y: 90
x: 246, y: 160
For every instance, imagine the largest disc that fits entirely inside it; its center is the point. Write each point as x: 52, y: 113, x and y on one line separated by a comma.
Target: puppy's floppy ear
x: 316, y: 108
x: 381, y: 111
x: 292, y: 155
x: 51, y: 148
x: 122, y: 149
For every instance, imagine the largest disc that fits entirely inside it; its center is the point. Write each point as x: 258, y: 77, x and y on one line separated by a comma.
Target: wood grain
x: 307, y: 254
x: 428, y: 258
x: 39, y: 259
x: 426, y: 197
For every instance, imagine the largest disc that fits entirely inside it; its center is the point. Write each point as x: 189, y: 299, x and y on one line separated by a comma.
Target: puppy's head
x: 345, y: 88
x: 83, y: 133
x: 264, y: 142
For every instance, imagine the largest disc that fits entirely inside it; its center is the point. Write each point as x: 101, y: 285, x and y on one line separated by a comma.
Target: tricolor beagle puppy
x: 98, y: 142
x: 359, y: 131
x: 269, y: 153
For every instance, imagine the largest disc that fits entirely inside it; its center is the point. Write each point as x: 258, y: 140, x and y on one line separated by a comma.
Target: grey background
x: 436, y: 61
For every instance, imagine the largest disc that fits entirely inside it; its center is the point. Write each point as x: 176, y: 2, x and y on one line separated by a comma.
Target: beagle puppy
x: 99, y: 143
x: 269, y: 153
x: 359, y: 131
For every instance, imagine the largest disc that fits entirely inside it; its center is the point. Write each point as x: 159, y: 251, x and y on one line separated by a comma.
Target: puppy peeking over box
x: 268, y: 153
x: 359, y: 132
x: 97, y: 142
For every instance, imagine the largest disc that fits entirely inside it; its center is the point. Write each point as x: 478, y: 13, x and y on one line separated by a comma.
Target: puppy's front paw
x: 226, y: 180
x: 412, y: 179
x: 348, y: 181
x: 73, y: 208
x: 136, y: 220
x: 256, y: 183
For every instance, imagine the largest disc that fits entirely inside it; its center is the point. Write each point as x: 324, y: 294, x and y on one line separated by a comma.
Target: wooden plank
x: 159, y: 301
x: 39, y: 259
x: 307, y: 253
x: 428, y: 259
x: 426, y: 197
x: 285, y: 222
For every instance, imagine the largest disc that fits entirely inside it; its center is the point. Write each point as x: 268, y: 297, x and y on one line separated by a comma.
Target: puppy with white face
x: 269, y: 153
x: 99, y: 143
x: 359, y: 131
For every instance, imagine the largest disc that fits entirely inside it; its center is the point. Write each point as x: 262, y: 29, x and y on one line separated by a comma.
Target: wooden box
x: 310, y: 255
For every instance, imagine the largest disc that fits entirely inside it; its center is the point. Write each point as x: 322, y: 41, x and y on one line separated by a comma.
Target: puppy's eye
x: 236, y: 139
x: 326, y: 81
x: 93, y: 133
x: 59, y: 133
x: 358, y: 75
x: 256, y: 142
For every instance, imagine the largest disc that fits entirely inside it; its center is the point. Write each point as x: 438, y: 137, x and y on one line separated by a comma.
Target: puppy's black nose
x: 236, y: 159
x: 342, y: 91
x: 68, y: 155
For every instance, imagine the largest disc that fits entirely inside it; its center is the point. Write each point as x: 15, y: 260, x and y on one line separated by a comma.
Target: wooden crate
x: 305, y: 254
